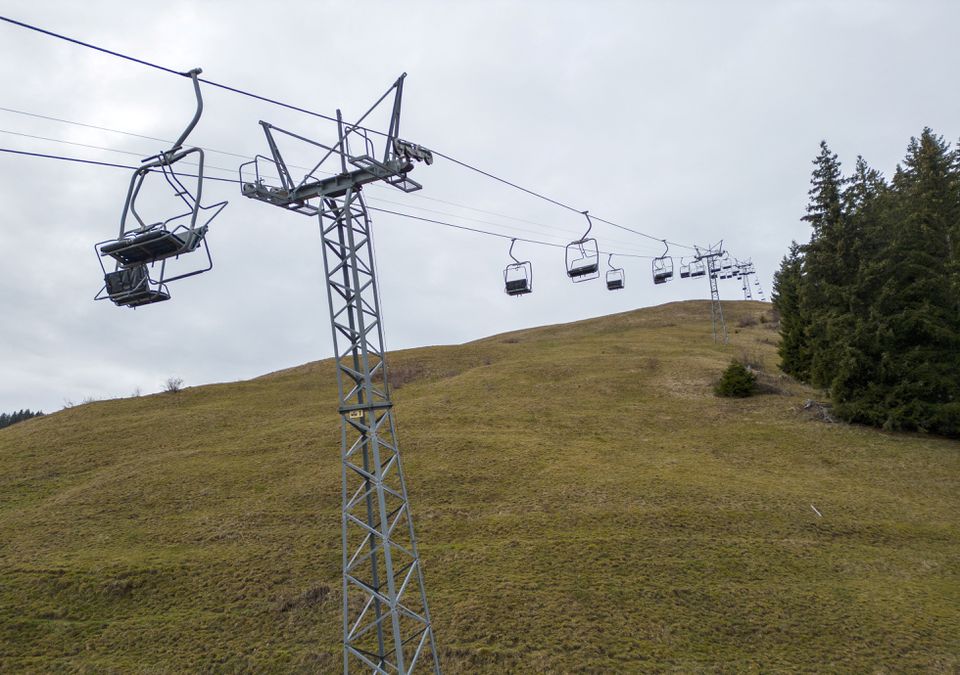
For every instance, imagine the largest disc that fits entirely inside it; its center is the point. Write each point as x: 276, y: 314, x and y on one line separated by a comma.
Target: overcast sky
x: 692, y: 121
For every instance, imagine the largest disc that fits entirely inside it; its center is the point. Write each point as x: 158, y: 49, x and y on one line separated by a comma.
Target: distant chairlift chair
x: 615, y: 276
x: 518, y: 276
x: 130, y: 283
x: 663, y: 266
x: 583, y: 256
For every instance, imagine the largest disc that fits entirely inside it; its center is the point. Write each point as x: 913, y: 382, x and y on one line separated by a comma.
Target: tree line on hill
x: 6, y: 419
x: 870, y: 307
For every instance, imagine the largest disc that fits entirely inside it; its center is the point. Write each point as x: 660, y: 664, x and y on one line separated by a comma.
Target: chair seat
x: 151, y: 246
x: 145, y: 297
x: 517, y: 287
x: 582, y: 270
x: 130, y: 287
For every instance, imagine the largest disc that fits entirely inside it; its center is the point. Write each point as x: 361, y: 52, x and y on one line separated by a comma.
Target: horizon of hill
x: 582, y: 502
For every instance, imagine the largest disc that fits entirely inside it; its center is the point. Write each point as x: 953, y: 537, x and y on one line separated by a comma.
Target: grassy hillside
x: 583, y: 502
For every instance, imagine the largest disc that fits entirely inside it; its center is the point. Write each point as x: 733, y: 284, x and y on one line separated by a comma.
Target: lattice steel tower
x: 711, y: 255
x: 386, y: 619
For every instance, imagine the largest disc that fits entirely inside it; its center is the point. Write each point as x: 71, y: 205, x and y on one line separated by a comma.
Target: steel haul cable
x: 248, y: 157
x: 234, y: 181
x: 330, y: 118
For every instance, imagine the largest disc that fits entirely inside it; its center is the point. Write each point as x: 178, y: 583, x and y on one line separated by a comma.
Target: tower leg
x: 716, y: 311
x: 386, y: 620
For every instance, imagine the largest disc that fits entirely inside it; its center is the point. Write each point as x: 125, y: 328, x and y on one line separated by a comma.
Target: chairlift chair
x: 663, y: 266
x: 685, y: 268
x: 132, y: 287
x: 615, y: 276
x: 143, y: 243
x: 697, y: 269
x: 583, y: 256
x: 518, y: 276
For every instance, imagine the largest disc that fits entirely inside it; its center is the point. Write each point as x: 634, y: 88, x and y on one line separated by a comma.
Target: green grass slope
x: 583, y: 503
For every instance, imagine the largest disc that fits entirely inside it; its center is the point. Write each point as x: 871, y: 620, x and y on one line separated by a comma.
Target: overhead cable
x: 330, y: 118
x: 231, y: 170
x: 501, y: 235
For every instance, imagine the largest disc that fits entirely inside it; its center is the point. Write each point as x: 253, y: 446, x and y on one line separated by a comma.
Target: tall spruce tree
x: 822, y: 302
x: 914, y: 317
x: 865, y: 202
x: 793, y: 350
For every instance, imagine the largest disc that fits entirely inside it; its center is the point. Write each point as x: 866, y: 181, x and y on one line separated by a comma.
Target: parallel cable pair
x: 330, y: 118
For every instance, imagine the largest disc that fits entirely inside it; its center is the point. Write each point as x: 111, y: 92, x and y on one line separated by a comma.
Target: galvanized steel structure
x: 386, y: 619
x: 711, y: 256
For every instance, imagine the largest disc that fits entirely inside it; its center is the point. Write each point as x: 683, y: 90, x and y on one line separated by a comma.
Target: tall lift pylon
x: 711, y: 256
x: 386, y: 620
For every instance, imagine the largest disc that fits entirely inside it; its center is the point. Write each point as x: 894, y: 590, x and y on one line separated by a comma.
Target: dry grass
x: 584, y: 504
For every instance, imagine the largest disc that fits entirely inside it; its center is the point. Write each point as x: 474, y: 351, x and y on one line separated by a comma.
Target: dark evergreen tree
x: 865, y: 203
x: 822, y: 300
x: 793, y: 349
x: 915, y: 312
x: 870, y: 308
x: 736, y: 381
x: 12, y: 418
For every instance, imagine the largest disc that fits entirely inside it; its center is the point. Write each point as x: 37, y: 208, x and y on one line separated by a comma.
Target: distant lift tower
x: 712, y: 257
x: 386, y: 621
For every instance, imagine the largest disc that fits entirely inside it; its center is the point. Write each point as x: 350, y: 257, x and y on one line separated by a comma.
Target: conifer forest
x: 870, y: 306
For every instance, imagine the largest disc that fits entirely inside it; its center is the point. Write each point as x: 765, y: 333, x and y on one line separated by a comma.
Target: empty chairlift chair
x: 615, y: 276
x: 132, y: 287
x: 583, y: 256
x: 518, y: 276
x: 663, y: 267
x: 142, y: 243
x: 697, y: 269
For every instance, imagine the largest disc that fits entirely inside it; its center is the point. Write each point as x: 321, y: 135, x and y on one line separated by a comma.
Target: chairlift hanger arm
x: 513, y: 241
x: 196, y: 116
x: 589, y: 227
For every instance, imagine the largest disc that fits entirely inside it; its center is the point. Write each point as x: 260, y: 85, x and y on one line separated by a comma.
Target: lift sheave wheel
x: 141, y: 245
x: 518, y: 276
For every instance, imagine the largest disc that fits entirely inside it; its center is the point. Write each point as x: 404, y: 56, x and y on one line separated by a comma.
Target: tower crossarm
x: 298, y: 198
